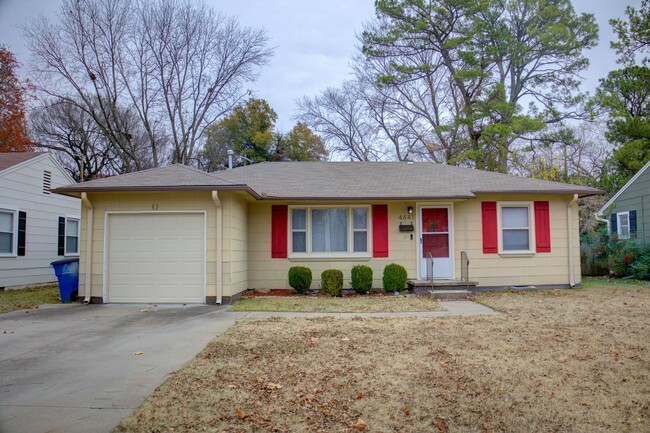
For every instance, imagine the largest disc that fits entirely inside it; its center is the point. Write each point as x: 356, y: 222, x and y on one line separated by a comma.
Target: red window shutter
x: 490, y: 238
x: 279, y: 227
x: 542, y: 227
x: 380, y: 230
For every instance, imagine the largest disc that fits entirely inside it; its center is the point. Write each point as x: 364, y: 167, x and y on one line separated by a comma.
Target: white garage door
x: 156, y: 257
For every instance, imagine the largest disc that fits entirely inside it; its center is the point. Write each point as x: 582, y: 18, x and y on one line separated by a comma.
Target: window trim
x: 619, y: 225
x: 531, y: 226
x: 65, y: 236
x: 14, y: 243
x: 308, y: 230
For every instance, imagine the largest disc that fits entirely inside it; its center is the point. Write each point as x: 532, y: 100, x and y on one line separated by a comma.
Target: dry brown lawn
x: 561, y: 361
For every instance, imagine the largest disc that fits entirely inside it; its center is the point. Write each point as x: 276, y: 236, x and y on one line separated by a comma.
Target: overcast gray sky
x: 314, y: 40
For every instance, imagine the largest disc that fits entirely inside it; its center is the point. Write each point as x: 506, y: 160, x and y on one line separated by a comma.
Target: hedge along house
x: 628, y: 212
x: 176, y: 234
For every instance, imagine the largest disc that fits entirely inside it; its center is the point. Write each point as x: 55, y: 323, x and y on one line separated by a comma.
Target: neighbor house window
x: 623, y: 230
x: 8, y: 230
x: 329, y: 231
x: 71, y: 236
x: 516, y: 227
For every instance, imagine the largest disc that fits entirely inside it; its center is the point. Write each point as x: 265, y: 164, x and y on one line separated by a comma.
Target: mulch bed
x: 252, y: 293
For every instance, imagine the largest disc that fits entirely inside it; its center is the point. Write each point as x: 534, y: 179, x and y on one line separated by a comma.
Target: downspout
x: 572, y: 278
x: 89, y: 248
x: 597, y: 217
x: 219, y: 247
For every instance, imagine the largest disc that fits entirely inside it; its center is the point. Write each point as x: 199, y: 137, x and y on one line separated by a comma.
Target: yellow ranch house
x: 177, y: 234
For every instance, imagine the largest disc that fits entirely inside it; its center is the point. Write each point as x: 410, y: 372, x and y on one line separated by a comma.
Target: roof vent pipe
x: 230, y: 153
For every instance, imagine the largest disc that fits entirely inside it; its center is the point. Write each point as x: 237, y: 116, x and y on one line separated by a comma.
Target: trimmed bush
x: 641, y: 266
x: 300, y: 279
x: 394, y: 278
x: 362, y: 279
x: 331, y: 282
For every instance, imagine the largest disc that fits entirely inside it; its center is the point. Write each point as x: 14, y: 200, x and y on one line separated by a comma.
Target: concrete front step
x: 420, y: 287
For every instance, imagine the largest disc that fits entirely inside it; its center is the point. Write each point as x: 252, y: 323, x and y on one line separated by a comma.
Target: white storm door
x: 435, y: 241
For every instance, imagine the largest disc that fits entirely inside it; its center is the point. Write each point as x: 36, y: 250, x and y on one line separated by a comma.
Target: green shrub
x: 362, y: 279
x: 394, y: 278
x: 641, y: 266
x: 300, y: 278
x: 331, y: 282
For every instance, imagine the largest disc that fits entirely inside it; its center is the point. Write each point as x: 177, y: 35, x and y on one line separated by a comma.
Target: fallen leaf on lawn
x: 241, y: 414
x: 359, y: 395
x: 360, y: 425
x: 441, y: 424
x: 406, y: 410
x: 273, y: 386
x: 138, y: 353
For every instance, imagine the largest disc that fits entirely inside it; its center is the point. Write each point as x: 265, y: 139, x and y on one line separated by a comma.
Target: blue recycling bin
x: 67, y: 272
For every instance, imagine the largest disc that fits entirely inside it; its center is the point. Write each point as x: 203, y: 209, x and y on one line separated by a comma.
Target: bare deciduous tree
x: 176, y: 64
x: 340, y: 116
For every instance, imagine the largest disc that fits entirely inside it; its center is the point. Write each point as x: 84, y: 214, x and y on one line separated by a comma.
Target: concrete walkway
x: 77, y: 368
x: 454, y: 308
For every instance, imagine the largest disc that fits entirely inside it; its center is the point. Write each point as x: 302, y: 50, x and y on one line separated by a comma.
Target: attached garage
x: 155, y: 257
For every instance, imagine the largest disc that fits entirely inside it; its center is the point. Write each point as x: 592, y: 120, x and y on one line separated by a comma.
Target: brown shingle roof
x: 335, y: 180
x: 10, y: 159
x: 395, y: 180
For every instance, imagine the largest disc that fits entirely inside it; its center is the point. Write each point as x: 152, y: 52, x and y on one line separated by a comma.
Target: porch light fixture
x: 410, y: 210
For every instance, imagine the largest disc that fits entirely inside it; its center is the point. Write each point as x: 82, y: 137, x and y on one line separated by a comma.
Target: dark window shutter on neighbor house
x: 379, y: 230
x: 614, y: 224
x: 632, y: 222
x: 22, y: 232
x: 542, y: 227
x: 61, y: 247
x: 279, y: 221
x: 489, y: 218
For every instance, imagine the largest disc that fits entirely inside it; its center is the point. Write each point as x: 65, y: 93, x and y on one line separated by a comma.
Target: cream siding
x: 265, y: 272
x: 488, y: 269
x: 503, y: 270
x: 21, y: 188
x: 235, y: 244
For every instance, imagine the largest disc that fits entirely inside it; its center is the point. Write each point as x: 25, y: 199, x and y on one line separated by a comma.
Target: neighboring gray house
x: 628, y: 212
x: 36, y: 225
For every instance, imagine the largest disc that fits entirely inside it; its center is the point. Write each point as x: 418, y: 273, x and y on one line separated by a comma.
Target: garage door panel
x: 156, y: 258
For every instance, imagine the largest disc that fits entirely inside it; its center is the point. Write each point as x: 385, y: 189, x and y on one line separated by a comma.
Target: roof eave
x: 581, y: 193
x: 367, y: 198
x: 601, y: 212
x: 76, y: 190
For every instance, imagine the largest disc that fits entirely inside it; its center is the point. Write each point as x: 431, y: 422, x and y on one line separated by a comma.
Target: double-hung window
x: 623, y: 225
x: 516, y: 228
x: 72, y: 236
x: 329, y: 231
x: 8, y: 232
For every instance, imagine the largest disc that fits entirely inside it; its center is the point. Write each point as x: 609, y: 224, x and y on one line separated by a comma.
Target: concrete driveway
x: 72, y: 368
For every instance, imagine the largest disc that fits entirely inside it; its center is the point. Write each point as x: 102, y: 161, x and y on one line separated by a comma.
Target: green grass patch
x: 362, y: 304
x: 611, y: 283
x: 12, y: 300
